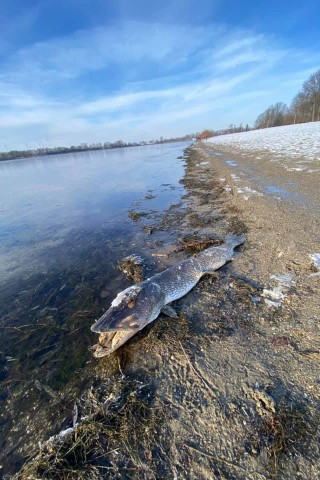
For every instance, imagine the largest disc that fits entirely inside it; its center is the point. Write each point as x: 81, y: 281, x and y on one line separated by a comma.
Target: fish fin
x: 233, y: 241
x: 169, y: 311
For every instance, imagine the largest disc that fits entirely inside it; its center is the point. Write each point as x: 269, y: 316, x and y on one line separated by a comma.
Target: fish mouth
x: 110, y: 322
x: 111, y: 341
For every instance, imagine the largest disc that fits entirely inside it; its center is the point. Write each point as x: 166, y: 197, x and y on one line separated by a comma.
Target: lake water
x: 65, y: 223
x: 43, y: 200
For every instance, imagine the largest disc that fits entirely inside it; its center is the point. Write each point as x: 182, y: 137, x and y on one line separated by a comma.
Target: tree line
x: 305, y: 107
x: 83, y: 147
x: 233, y: 128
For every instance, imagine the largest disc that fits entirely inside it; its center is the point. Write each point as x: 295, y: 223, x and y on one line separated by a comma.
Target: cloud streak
x: 135, y: 80
x: 125, y: 44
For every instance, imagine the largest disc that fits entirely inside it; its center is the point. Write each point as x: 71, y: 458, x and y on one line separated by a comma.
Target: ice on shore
x: 301, y: 141
x: 275, y: 296
x: 61, y: 435
x: 315, y: 257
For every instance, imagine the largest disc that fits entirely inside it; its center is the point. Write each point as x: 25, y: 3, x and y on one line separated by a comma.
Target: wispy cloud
x: 135, y: 80
x: 125, y: 44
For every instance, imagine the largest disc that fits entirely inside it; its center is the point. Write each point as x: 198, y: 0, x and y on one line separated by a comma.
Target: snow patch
x: 295, y: 169
x: 293, y: 143
x: 121, y: 296
x: 61, y: 435
x: 315, y: 257
x: 248, y: 192
x: 231, y: 163
x: 275, y: 296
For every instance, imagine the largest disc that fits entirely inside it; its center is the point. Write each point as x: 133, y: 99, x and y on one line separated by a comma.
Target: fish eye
x: 131, y: 304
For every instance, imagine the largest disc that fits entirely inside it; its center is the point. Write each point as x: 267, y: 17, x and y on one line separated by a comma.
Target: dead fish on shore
x: 140, y: 304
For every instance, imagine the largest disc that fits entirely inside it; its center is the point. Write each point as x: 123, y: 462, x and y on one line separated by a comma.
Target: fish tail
x: 233, y: 241
x: 214, y: 257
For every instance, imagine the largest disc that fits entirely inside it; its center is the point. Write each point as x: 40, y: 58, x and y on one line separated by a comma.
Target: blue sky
x: 76, y: 71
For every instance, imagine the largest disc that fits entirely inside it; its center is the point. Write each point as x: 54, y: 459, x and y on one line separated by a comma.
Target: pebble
x: 104, y: 293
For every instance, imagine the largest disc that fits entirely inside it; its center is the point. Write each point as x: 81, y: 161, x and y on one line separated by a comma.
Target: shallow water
x: 65, y: 223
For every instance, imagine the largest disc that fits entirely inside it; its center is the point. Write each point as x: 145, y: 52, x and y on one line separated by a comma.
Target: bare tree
x: 311, y: 88
x: 300, y: 108
x: 305, y: 107
x: 274, y: 116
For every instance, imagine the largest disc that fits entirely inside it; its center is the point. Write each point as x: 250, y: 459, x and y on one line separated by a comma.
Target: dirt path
x: 230, y: 390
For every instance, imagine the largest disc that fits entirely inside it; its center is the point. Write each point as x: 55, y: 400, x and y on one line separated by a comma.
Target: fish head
x: 132, y: 309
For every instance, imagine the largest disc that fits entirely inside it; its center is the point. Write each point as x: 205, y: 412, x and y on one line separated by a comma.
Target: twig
x: 122, y: 374
x: 194, y: 245
x: 185, y: 246
x: 212, y: 457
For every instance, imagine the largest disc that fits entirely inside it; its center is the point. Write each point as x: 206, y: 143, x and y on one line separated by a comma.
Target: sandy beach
x: 229, y: 390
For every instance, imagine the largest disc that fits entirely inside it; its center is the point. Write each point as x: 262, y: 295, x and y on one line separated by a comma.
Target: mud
x: 230, y: 389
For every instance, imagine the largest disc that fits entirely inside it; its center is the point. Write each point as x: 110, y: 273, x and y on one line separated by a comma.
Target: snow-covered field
x: 300, y: 142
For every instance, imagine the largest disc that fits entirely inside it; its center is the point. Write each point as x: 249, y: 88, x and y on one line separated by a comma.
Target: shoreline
x: 231, y: 388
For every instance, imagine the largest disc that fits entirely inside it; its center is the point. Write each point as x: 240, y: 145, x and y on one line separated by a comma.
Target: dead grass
x: 287, y: 431
x: 284, y: 430
x: 116, y: 440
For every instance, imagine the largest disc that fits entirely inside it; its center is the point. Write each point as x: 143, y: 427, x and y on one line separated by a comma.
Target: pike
x: 141, y: 304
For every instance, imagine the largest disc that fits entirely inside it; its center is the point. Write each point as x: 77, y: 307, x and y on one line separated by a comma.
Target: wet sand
x: 230, y: 390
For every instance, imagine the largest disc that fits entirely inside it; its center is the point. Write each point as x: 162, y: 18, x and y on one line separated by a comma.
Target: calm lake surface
x: 43, y: 200
x: 65, y: 222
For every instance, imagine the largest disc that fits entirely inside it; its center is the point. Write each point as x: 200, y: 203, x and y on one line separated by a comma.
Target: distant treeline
x: 305, y: 107
x: 83, y: 147
x: 205, y: 134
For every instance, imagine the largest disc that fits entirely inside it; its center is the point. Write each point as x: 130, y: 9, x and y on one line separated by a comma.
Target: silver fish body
x: 140, y: 304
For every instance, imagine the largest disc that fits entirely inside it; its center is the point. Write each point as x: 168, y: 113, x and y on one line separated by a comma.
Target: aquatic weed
x: 117, y: 439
